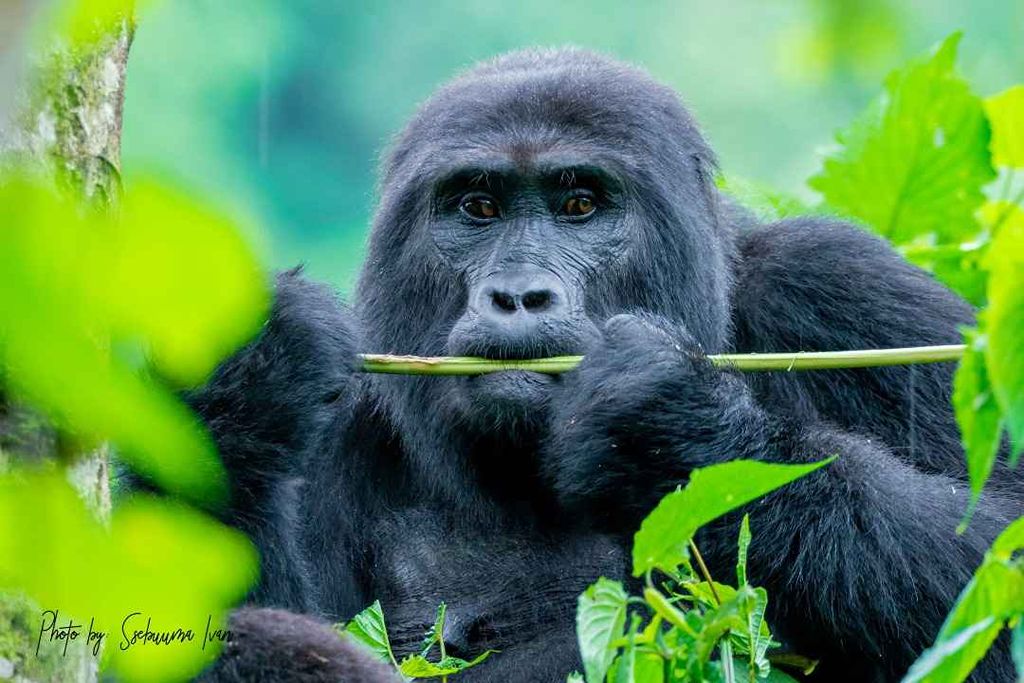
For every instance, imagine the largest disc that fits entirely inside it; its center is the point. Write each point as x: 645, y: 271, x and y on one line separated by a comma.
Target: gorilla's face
x: 526, y: 202
x: 525, y: 234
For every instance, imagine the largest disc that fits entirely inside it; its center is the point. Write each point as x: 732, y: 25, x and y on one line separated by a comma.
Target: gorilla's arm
x: 861, y: 559
x: 275, y: 646
x: 266, y: 407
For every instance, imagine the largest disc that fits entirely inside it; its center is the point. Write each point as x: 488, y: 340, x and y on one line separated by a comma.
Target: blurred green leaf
x: 977, y: 414
x: 600, y: 619
x: 1017, y: 647
x: 368, y: 628
x: 1006, y: 116
x: 915, y: 162
x: 164, y: 561
x: 661, y: 542
x: 1005, y: 322
x: 1009, y: 541
x: 171, y: 276
x: 766, y: 203
x: 960, y: 266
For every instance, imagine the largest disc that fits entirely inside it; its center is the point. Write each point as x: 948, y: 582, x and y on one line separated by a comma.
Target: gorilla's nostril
x: 538, y: 300
x: 503, y: 301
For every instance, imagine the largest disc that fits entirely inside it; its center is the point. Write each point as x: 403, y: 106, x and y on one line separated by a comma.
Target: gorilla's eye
x: 578, y: 206
x: 479, y: 208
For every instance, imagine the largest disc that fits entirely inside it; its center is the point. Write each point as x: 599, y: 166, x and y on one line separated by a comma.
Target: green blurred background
x: 280, y: 108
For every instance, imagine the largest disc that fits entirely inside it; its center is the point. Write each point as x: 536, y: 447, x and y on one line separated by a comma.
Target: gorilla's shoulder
x: 823, y: 283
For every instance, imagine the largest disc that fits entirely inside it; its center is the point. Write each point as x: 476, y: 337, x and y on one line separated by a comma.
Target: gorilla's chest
x: 502, y: 587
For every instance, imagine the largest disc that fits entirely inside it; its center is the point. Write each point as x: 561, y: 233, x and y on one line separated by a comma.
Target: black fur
x: 506, y: 495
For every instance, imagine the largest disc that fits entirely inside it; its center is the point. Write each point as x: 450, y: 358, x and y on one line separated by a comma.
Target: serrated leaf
x: 977, y: 414
x: 436, y: 633
x: 743, y: 545
x: 418, y: 666
x: 368, y: 628
x: 1005, y: 323
x: 600, y: 619
x: 916, y: 161
x: 758, y: 635
x: 1006, y: 116
x: 661, y: 542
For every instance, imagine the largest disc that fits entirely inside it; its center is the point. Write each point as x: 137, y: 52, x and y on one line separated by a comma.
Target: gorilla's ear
x: 275, y: 645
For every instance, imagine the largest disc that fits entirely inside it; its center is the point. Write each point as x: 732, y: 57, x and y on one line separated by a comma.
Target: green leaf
x: 773, y: 676
x: 1009, y: 541
x: 1006, y: 115
x: 418, y: 666
x: 977, y: 414
x: 435, y: 636
x: 951, y: 660
x: 1017, y: 648
x: 156, y: 560
x: 574, y: 677
x: 169, y: 276
x: 994, y: 594
x: 768, y: 204
x: 1005, y: 323
x: 600, y: 618
x: 635, y: 665
x: 368, y: 628
x: 916, y: 161
x: 758, y: 635
x: 661, y: 542
x: 741, y: 556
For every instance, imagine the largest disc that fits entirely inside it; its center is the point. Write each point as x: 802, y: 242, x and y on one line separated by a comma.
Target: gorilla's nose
x: 509, y: 295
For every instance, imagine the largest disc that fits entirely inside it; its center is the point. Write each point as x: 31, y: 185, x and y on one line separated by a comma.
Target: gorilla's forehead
x: 530, y: 105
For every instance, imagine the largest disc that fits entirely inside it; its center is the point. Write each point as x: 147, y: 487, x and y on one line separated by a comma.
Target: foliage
x: 690, y: 617
x: 100, y: 320
x: 915, y: 168
x: 368, y: 629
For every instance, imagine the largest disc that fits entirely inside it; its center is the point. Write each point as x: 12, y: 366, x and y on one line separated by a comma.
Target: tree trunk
x: 64, y: 123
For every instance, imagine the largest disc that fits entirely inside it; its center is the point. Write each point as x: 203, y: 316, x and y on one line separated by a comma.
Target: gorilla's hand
x: 642, y: 410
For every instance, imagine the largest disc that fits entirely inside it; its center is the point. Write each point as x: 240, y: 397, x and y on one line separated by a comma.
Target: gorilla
x: 560, y: 202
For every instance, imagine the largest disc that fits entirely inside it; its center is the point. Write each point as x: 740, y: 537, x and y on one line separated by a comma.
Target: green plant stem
x: 704, y: 571
x: 746, y: 362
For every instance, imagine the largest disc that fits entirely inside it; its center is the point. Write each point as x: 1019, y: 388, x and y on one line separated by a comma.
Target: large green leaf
x: 915, y: 162
x: 368, y: 628
x: 600, y: 618
x: 170, y: 278
x: 977, y: 413
x: 1006, y: 114
x: 1005, y: 322
x: 157, y: 561
x: 711, y: 492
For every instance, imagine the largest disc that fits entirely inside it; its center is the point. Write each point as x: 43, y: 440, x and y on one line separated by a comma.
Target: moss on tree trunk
x: 66, y: 125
